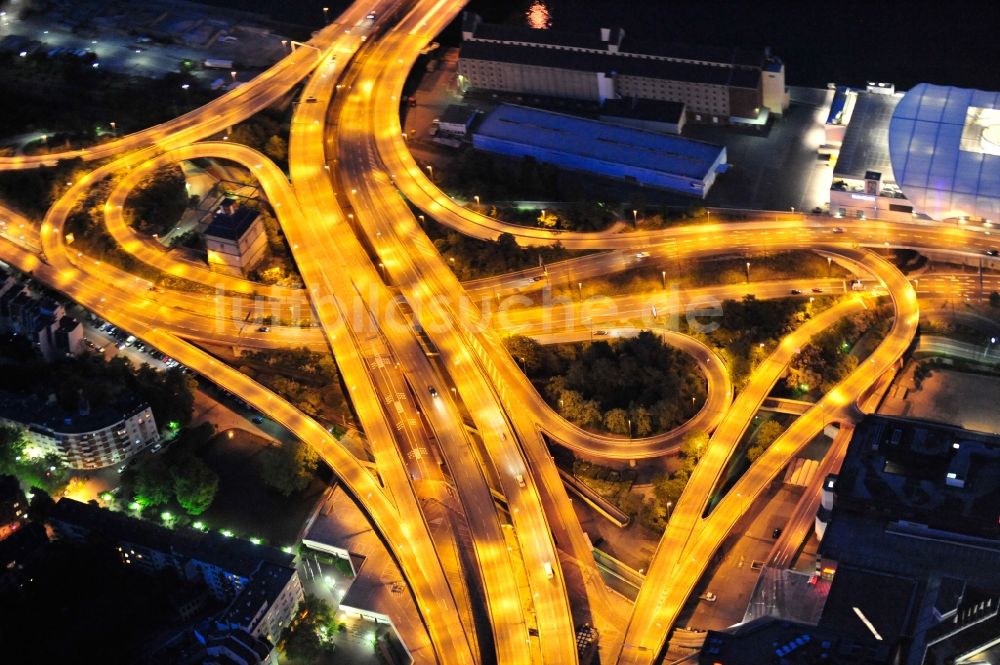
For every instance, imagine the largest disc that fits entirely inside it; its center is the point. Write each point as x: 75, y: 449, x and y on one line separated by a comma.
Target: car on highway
x: 796, y: 292
x: 708, y: 597
x: 549, y: 573
x: 433, y: 391
x: 992, y: 252
x: 264, y: 329
x: 838, y: 229
x: 520, y: 480
x: 776, y: 533
x: 537, y: 278
x: 642, y: 255
x: 601, y: 333
x: 371, y: 16
x: 817, y: 290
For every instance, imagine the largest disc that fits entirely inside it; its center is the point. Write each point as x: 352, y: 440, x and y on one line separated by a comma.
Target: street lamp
x: 326, y: 15
x: 663, y: 276
x: 579, y: 286
x: 233, y: 74
x: 635, y: 216
x: 829, y: 266
x: 477, y: 199
x: 748, y: 272
x: 381, y: 266
x: 430, y: 171
x: 670, y: 504
x: 629, y: 428
x: 114, y: 128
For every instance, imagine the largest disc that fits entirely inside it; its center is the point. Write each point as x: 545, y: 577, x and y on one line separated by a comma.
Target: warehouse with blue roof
x: 636, y: 156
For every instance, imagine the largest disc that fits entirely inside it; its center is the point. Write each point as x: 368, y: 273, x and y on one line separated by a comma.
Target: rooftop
x: 236, y: 556
x: 770, y: 641
x: 521, y: 33
x: 231, y: 226
x: 940, y: 477
x: 33, y: 411
x: 644, y: 109
x: 874, y: 608
x: 611, y: 64
x: 458, y: 114
x: 602, y: 141
x: 866, y: 140
x: 262, y: 589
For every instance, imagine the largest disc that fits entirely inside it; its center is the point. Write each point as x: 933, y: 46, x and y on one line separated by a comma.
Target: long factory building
x: 716, y: 85
x: 635, y: 156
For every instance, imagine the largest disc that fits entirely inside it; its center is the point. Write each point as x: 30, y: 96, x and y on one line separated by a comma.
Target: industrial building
x: 717, y: 85
x: 635, y: 156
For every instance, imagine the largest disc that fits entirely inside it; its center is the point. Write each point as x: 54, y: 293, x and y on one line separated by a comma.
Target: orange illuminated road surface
x: 359, y: 247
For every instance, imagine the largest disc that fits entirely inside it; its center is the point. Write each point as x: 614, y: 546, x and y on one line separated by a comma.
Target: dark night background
x: 847, y: 41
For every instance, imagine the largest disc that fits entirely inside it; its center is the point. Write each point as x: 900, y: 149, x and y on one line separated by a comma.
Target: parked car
x: 258, y: 419
x: 708, y: 597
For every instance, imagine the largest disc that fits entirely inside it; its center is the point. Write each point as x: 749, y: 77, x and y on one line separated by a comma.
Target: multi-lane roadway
x: 423, y: 371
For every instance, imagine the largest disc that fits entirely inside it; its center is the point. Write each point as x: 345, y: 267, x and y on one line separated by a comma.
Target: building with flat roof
x: 914, y: 538
x: 857, y: 133
x: 86, y: 439
x: 771, y: 641
x: 639, y: 157
x: 235, y: 239
x: 649, y: 115
x: 261, y: 583
x: 716, y: 84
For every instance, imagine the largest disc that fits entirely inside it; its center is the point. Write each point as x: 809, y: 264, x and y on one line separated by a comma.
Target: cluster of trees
x: 749, y: 327
x: 667, y: 489
x: 471, y: 258
x: 765, y: 435
x: 309, y: 638
x: 33, y: 191
x: 156, y: 205
x: 495, y: 178
x: 67, y: 94
x: 636, y: 383
x: 47, y: 472
x: 279, y: 267
x: 267, y: 132
x: 307, y: 379
x: 178, y: 474
x: 101, y: 383
x: 288, y: 468
x: 827, y: 359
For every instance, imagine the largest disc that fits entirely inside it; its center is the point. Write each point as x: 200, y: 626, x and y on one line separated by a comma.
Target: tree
x: 694, y: 445
x: 11, y: 448
x: 154, y: 484
x: 766, y: 435
x: 616, y: 421
x: 276, y: 148
x: 195, y: 485
x: 288, y: 468
x: 995, y: 299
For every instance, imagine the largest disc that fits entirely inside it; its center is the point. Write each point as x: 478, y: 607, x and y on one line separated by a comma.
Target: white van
x: 548, y: 570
